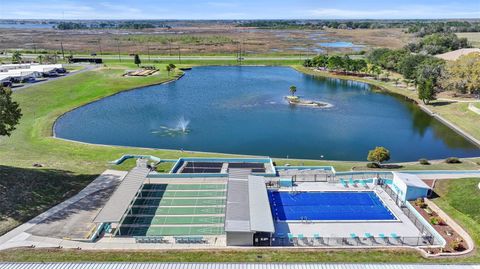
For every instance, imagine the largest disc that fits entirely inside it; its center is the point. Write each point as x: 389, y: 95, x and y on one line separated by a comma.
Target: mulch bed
x: 443, y: 229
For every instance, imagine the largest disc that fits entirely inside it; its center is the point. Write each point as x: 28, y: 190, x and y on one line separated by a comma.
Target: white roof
x: 248, y: 207
x: 454, y: 55
x: 411, y: 180
x: 122, y: 198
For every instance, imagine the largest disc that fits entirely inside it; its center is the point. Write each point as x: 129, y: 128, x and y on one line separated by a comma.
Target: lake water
x: 242, y: 110
x: 26, y: 26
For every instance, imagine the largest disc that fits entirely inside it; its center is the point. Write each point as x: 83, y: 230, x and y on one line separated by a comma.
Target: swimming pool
x: 328, y: 206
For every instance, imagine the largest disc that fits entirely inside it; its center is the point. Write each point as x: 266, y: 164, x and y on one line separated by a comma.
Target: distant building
x: 86, y: 60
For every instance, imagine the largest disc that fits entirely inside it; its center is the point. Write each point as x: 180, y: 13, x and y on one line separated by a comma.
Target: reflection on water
x: 242, y: 110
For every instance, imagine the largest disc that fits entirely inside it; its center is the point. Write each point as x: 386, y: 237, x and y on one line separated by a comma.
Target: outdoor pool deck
x: 403, y: 226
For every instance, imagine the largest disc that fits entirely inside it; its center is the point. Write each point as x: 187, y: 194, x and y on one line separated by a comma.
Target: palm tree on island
x: 293, y: 90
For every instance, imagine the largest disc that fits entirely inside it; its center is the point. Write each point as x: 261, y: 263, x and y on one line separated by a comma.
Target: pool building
x: 235, y: 202
x: 252, y: 202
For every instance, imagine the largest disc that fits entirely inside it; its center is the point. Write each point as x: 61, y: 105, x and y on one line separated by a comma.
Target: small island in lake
x: 296, y: 100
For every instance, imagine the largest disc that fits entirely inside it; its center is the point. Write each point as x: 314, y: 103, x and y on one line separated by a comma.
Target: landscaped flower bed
x: 455, y: 243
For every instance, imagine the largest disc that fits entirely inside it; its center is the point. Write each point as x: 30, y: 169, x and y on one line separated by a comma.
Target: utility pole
x: 179, y: 55
x: 148, y: 52
x: 100, y: 45
x: 118, y: 51
x: 63, y: 52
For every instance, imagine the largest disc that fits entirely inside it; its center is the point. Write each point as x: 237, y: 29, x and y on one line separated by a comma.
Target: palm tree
x: 293, y: 90
x: 16, y: 57
x: 40, y: 59
x: 169, y: 69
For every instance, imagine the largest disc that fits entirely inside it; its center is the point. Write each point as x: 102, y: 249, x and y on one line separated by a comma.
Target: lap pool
x: 328, y: 206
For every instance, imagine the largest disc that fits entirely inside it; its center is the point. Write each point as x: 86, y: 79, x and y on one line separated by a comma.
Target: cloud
x: 405, y: 12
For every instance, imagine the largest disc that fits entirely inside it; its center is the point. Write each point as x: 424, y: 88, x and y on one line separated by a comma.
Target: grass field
x: 473, y: 38
x: 460, y: 199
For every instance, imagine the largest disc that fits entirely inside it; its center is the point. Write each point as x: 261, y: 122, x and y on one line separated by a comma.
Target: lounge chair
x: 368, y: 235
x: 344, y: 183
x: 352, y: 182
x: 291, y: 238
x: 301, y: 238
x: 396, y: 237
x: 364, y: 183
x: 318, y: 238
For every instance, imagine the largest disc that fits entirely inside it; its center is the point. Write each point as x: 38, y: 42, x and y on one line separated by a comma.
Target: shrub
x: 435, y: 220
x: 453, y: 160
x: 457, y: 245
x: 373, y: 165
x: 424, y: 162
x: 420, y: 203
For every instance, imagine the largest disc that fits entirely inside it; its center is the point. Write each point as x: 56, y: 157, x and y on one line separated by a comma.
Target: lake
x: 242, y: 110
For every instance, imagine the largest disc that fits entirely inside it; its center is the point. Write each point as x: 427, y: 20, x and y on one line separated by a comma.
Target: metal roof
x: 132, y: 265
x: 237, y: 215
x: 411, y: 180
x: 260, y: 213
x: 248, y: 208
x: 123, y: 196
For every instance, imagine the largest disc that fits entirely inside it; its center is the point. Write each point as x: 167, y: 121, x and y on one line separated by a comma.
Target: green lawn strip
x: 299, y: 255
x: 460, y: 199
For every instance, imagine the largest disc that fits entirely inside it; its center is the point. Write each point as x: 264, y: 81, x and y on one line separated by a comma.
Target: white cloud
x: 405, y: 12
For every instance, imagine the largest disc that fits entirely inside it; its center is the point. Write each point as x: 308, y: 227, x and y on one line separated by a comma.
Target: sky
x: 238, y: 9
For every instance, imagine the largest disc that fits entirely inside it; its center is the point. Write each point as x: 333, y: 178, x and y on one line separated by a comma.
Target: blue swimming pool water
x: 328, y: 206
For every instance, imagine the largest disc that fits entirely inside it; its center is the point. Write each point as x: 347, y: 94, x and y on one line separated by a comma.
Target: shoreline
x: 323, y: 74
x: 375, y: 83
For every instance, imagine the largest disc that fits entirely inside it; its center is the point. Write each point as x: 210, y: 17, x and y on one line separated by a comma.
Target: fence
x: 414, y: 218
x: 353, y: 241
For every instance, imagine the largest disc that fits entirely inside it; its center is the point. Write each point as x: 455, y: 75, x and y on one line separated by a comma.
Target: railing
x: 414, y: 218
x: 353, y: 242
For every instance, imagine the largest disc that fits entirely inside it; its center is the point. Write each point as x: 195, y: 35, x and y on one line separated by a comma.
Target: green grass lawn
x: 460, y: 199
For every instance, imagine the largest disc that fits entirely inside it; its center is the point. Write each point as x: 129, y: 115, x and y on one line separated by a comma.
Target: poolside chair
x: 396, y: 237
x: 301, y: 238
x: 291, y: 238
x: 364, y: 183
x: 355, y: 238
x: 344, y: 183
x: 318, y: 238
x: 384, y: 238
x: 352, y: 182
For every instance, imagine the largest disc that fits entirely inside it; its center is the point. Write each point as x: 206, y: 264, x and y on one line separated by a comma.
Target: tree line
x: 417, y: 27
x: 103, y: 25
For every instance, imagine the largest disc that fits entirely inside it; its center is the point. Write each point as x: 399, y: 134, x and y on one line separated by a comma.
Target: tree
x: 40, y: 59
x: 169, y: 69
x: 10, y: 112
x: 293, y: 90
x: 335, y: 63
x: 378, y: 155
x: 462, y: 75
x: 137, y: 60
x: 16, y: 57
x: 426, y: 92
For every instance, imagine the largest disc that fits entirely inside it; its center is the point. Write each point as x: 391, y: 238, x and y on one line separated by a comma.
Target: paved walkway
x: 473, y: 108
x: 19, y: 235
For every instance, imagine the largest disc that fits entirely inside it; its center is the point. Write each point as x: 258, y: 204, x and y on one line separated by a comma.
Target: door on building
x: 261, y: 239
